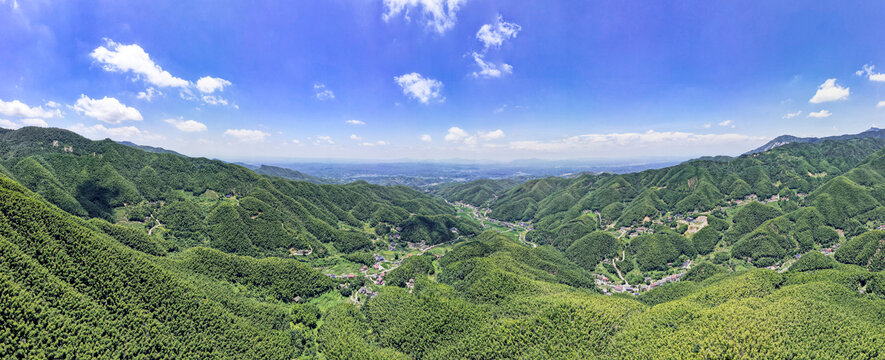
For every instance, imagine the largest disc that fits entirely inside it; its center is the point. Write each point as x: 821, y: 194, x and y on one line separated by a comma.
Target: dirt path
x: 615, y: 265
x: 151, y: 230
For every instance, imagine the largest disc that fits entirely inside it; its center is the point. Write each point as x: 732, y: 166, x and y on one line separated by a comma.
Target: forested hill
x: 697, y: 185
x: 872, y: 132
x: 477, y: 192
x: 290, y: 174
x: 108, y: 251
x: 150, y: 148
x: 192, y: 201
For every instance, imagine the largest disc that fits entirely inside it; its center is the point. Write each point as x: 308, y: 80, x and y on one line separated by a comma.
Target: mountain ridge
x: 872, y: 132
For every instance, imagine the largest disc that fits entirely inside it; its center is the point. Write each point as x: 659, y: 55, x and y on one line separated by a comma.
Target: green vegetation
x: 110, y: 251
x: 813, y: 260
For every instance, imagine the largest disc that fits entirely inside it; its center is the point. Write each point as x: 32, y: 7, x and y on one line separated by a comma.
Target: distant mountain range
x: 872, y: 132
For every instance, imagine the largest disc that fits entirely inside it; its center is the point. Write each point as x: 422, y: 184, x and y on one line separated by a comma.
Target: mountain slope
x: 197, y: 201
x: 872, y: 132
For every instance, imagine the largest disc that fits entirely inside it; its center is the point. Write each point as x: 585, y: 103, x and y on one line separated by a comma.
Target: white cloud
x: 247, y: 135
x: 108, y: 110
x: 880, y: 104
x: 99, y: 131
x: 707, y: 126
x: 322, y: 93
x: 355, y: 137
x: 426, y: 138
x: 493, y: 35
x: 355, y: 122
x: 323, y: 139
x: 456, y: 134
x: 792, y: 115
x: 52, y: 104
x: 872, y: 75
x: 208, y: 84
x: 17, y: 108
x: 492, y: 135
x: 606, y: 142
x: 820, y: 114
x: 460, y: 136
x: 490, y: 70
x: 829, y: 91
x: 34, y: 122
x: 377, y: 143
x: 148, y: 94
x: 9, y: 124
x: 438, y: 15
x: 187, y: 125
x: 727, y: 123
x: 296, y: 141
x: 132, y: 58
x: 418, y: 87
x: 214, y: 100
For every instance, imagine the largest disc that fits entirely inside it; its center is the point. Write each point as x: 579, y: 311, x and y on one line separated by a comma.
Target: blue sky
x: 443, y: 79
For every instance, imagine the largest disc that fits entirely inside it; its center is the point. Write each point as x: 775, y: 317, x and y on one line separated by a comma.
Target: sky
x: 443, y: 79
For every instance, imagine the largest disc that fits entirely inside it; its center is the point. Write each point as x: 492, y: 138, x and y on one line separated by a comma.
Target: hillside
x: 115, y: 252
x: 477, y: 192
x: 152, y: 149
x: 191, y: 201
x: 289, y: 174
x: 873, y: 133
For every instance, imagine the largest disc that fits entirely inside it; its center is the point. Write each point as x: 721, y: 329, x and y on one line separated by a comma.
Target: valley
x: 562, y: 267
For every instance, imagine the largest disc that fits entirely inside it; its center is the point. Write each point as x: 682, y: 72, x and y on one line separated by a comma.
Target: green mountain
x: 872, y: 132
x: 290, y: 174
x: 477, y: 192
x: 110, y: 251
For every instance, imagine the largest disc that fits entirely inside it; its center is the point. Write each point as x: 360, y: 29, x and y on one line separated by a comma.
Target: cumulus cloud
x: 322, y: 93
x: 377, y: 143
x: 607, y: 142
x: 247, y: 135
x: 437, y: 15
x: 148, y: 94
x: 214, y: 100
x: 490, y: 70
x: 9, y: 124
x: 208, y: 84
x: 115, y: 57
x: 492, y: 135
x: 493, y: 35
x: 323, y: 139
x: 186, y: 125
x: 418, y: 87
x: 17, y: 108
x: 871, y: 74
x: 426, y: 138
x: 880, y: 104
x: 727, y: 123
x: 355, y: 137
x: 107, y: 109
x: 460, y: 136
x: 829, y: 91
x: 792, y: 115
x: 456, y: 134
x: 707, y: 126
x: 355, y: 122
x: 820, y: 114
x: 99, y: 131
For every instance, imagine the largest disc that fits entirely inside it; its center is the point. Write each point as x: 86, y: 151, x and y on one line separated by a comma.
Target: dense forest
x: 111, y: 251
